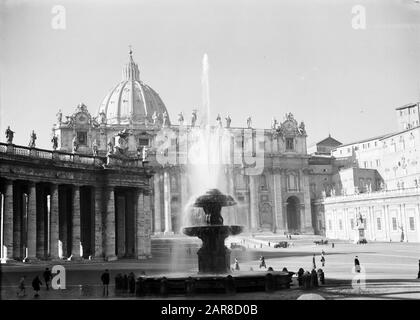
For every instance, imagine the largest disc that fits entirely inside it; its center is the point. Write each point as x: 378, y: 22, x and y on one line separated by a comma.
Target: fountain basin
x: 213, y: 256
x: 240, y: 281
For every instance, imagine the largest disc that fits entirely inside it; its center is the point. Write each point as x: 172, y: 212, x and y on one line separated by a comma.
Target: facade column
x: 98, y: 253
x: 278, y: 205
x: 75, y: 234
x: 109, y: 234
x: 8, y: 220
x: 253, y: 199
x: 306, y: 217
x: 32, y: 231
x: 183, y: 179
x: 157, y: 203
x: 54, y: 219
x: 167, y: 202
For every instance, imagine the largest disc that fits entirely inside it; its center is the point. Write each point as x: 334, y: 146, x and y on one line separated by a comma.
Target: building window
x: 143, y: 142
x: 340, y: 223
x: 352, y: 223
x: 82, y: 138
x: 378, y: 162
x: 289, y: 144
x: 394, y: 224
x: 378, y: 222
x: 329, y: 225
x: 412, y: 226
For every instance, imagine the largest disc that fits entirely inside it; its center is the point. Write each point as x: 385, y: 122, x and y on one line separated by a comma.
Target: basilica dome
x: 131, y: 100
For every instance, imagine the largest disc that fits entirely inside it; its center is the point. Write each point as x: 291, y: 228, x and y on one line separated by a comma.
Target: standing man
x: 47, y: 277
x: 418, y: 274
x: 357, y: 264
x: 323, y: 259
x: 313, y: 262
x: 105, y: 282
x: 262, y: 262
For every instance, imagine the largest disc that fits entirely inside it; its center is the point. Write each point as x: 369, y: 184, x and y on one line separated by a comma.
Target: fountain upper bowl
x: 224, y: 230
x: 214, y: 196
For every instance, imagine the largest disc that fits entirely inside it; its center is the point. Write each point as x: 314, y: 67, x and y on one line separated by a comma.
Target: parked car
x: 237, y: 246
x: 281, y: 244
x: 318, y: 242
x: 362, y: 241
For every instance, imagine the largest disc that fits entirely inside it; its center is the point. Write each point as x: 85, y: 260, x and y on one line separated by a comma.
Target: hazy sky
x: 266, y: 58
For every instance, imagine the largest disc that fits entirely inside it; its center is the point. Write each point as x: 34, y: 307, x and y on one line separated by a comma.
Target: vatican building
x: 117, y: 177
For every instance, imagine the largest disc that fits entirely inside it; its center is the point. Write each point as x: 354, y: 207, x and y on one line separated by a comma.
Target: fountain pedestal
x: 213, y: 256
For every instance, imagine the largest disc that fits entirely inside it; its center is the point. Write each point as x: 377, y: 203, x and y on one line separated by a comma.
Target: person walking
x: 47, y: 277
x: 21, y: 287
x: 313, y: 262
x: 236, y: 264
x: 262, y: 262
x: 357, y: 264
x: 105, y: 282
x: 36, y: 285
x: 418, y: 274
x: 323, y: 259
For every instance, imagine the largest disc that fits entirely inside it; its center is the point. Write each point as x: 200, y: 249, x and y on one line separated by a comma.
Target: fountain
x: 214, y: 265
x: 213, y: 257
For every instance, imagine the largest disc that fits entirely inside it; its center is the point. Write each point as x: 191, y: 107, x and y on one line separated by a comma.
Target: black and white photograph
x: 205, y: 157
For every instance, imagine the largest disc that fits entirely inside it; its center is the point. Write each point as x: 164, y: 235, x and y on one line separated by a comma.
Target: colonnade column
x: 54, y: 235
x: 98, y: 250
x: 75, y: 235
x: 157, y: 203
x: 143, y: 223
x: 32, y: 230
x: 109, y: 233
x: 40, y: 221
x: 8, y: 220
x: 253, y: 198
x: 167, y: 202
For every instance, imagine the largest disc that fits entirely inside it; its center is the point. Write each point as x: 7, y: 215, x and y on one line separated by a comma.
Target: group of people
x: 36, y: 283
x: 311, y: 279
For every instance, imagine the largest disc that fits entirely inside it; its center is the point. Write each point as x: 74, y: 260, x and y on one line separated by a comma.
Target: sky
x: 266, y: 58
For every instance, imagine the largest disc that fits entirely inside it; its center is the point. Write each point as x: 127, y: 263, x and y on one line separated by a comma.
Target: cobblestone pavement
x: 389, y: 270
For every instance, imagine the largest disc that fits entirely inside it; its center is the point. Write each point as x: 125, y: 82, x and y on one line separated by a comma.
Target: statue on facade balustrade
x: 228, y: 121
x: 102, y: 116
x: 110, y: 149
x: 165, y: 119
x: 59, y: 117
x: 324, y: 194
x: 155, y: 118
x: 9, y: 135
x: 193, y: 118
x: 249, y: 122
x: 54, y: 141
x: 181, y: 119
x: 219, y: 121
x: 274, y: 123
x: 121, y: 142
x: 32, y: 139
x: 301, y: 129
x: 95, y: 148
x: 75, y: 144
x: 333, y: 192
x: 95, y: 122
